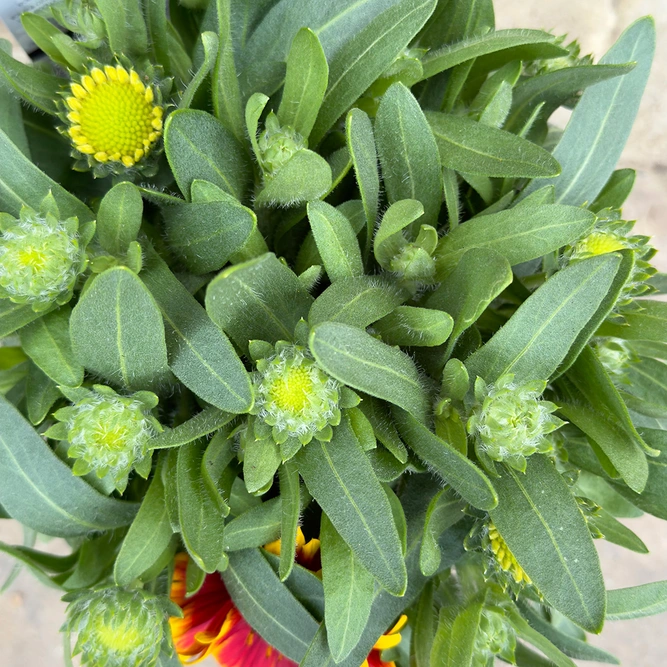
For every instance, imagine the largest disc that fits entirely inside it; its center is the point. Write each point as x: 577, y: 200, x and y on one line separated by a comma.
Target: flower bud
x: 495, y: 637
x: 119, y: 628
x: 40, y: 258
x: 108, y: 433
x: 510, y: 422
x: 277, y: 145
x: 504, y: 558
x: 615, y: 355
x: 294, y: 396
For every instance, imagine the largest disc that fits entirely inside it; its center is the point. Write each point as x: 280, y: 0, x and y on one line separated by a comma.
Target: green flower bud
x: 414, y: 264
x: 108, y: 433
x: 294, y: 396
x: 119, y: 628
x: 277, y: 145
x: 40, y: 258
x: 510, y: 422
x: 615, y: 355
x: 495, y: 637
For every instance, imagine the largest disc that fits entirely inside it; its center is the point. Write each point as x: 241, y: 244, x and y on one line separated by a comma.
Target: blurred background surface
x: 31, y: 615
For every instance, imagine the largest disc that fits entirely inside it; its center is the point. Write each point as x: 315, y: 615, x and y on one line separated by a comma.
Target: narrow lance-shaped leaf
x: 117, y: 331
x: 357, y: 359
x: 291, y: 508
x: 546, y: 532
x: 267, y: 605
x: 40, y: 491
x: 539, y: 335
x: 471, y: 147
x: 408, y: 152
x: 341, y: 479
x: 637, y: 601
x: 200, y: 355
x: 305, y: 83
x: 348, y: 592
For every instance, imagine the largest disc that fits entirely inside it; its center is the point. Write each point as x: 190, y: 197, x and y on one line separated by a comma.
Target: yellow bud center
x: 600, y: 243
x: 31, y: 257
x: 120, y: 637
x: 113, y: 117
x: 291, y: 391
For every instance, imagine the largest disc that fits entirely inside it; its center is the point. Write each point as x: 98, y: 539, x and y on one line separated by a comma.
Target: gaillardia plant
x: 321, y: 344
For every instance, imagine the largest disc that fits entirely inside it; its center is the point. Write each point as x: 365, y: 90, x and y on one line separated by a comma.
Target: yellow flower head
x: 505, y: 557
x: 113, y: 118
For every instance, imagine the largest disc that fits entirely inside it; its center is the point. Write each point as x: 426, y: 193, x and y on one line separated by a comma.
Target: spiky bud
x: 40, y: 258
x: 108, y: 433
x: 294, y: 397
x: 511, y: 422
x: 277, y: 145
x: 495, y: 637
x: 119, y: 628
x: 414, y: 264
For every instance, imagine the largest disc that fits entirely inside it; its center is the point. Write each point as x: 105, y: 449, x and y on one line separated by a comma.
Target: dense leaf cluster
x: 356, y: 214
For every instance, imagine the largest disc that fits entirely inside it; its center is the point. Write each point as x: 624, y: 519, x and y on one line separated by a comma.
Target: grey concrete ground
x: 30, y: 615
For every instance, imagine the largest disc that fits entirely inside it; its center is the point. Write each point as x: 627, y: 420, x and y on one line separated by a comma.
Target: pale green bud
x: 511, y: 422
x: 414, y: 264
x: 294, y: 398
x: 495, y: 637
x: 119, y: 628
x: 40, y: 258
x: 277, y: 145
x: 108, y: 433
x: 615, y: 355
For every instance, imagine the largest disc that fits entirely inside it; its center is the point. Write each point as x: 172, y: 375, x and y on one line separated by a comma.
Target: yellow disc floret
x: 291, y: 392
x: 505, y: 557
x: 113, y: 117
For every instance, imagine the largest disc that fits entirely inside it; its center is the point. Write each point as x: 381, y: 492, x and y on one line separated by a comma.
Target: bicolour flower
x: 213, y: 626
x: 41, y: 257
x: 118, y: 627
x: 114, y: 119
x: 108, y: 433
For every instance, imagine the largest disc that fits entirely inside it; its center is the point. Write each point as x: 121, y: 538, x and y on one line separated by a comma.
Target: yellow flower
x: 505, y: 557
x: 112, y: 117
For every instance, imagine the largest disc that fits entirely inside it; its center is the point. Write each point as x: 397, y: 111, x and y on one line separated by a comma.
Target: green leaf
x: 202, y: 524
x: 617, y: 533
x: 348, y: 592
x: 530, y: 44
x: 421, y: 327
x: 210, y: 419
x: 290, y: 501
x: 11, y: 117
x: 336, y: 241
x: 546, y: 532
x: 479, y: 277
x: 365, y: 57
x: 305, y: 83
x: 306, y: 176
x: 254, y: 527
x: 261, y: 459
x: 648, y: 323
x: 156, y: 27
x: 616, y: 191
x: 457, y: 470
x: 258, y: 300
x: 198, y: 146
x: 148, y: 536
x: 119, y: 218
x: 361, y: 144
x: 267, y: 605
x: 357, y: 301
x: 340, y: 478
x: 637, y: 601
x: 34, y: 86
x: 555, y: 88
x: 388, y: 238
x: 594, y: 405
x: 225, y: 88
x: 39, y: 490
x: 424, y: 630
x: 601, y: 122
x: 462, y: 641
x: 125, y: 26
x: 443, y: 512
x: 516, y: 234
x: 117, y: 331
x: 204, y: 234
x: 23, y: 184
x: 13, y: 316
x: 209, y: 42
x: 43, y: 32
x: 408, y: 152
x: 41, y: 394
x: 453, y: 20
x: 200, y: 355
x: 362, y: 362
x: 47, y: 342
x: 471, y: 147
x: 541, y: 332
